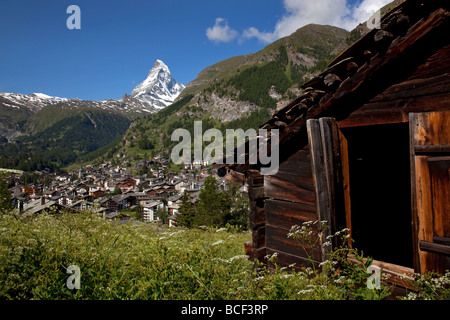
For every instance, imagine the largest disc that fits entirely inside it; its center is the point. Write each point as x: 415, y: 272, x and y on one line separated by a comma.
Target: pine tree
x: 5, y: 197
x: 211, y: 205
x: 186, y: 215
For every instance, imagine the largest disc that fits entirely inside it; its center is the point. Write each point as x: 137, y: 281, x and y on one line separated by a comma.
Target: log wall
x: 277, y: 203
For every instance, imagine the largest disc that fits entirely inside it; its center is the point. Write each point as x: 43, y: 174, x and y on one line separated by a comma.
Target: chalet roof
x: 365, y: 69
x: 36, y: 206
x: 112, y: 215
x: 152, y: 204
x: 121, y: 197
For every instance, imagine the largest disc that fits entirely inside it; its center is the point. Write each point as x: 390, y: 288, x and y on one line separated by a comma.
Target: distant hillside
x: 239, y: 92
x: 62, y: 137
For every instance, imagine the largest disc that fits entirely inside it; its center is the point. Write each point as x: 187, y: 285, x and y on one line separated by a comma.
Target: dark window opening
x: 380, y: 191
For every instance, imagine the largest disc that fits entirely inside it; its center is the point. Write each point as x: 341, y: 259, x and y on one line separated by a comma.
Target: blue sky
x: 119, y: 40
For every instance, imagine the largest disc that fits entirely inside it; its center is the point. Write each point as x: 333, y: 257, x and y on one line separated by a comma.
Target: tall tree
x: 186, y: 212
x: 211, y: 205
x: 162, y: 214
x: 5, y: 197
x: 238, y: 207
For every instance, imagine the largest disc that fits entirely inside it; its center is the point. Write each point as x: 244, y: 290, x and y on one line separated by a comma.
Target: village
x: 116, y: 193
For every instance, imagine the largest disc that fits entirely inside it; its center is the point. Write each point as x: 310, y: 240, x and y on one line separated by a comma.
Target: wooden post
x: 324, y: 146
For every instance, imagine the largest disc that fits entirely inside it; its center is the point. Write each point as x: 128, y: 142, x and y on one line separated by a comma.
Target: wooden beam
x: 317, y: 165
x: 432, y: 149
x: 399, y: 275
x: 414, y: 205
x: 345, y: 169
x: 434, y: 247
x: 330, y: 145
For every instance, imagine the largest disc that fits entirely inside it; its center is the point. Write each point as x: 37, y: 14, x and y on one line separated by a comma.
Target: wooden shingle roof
x: 407, y: 34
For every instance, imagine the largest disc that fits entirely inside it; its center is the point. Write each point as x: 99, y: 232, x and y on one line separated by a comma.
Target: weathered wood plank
x: 236, y: 177
x: 437, y: 64
x: 399, y: 275
x: 441, y: 240
x: 430, y: 187
x: 285, y: 214
x: 255, y: 178
x: 427, y: 89
x: 317, y: 162
x: 395, y: 111
x: 288, y: 188
x: 414, y: 205
x: 330, y: 144
x: 259, y: 237
x: 323, y: 142
x: 294, y: 181
x: 255, y: 193
x: 431, y: 129
x: 257, y: 214
x: 298, y: 158
x: 259, y: 254
x: 432, y: 149
x: 412, y: 88
x: 345, y: 168
x: 440, y: 189
x: 425, y: 216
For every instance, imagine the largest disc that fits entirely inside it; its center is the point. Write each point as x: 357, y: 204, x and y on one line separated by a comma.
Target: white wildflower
x: 327, y: 244
x: 309, y: 270
x: 323, y: 263
x: 305, y: 291
x: 217, y: 242
x: 340, y: 280
x: 411, y: 296
x: 242, y: 256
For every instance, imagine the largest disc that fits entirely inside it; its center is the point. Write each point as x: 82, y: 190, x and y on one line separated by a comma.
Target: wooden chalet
x: 366, y: 146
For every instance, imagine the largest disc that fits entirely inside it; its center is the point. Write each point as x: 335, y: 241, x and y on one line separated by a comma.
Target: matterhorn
x: 159, y: 89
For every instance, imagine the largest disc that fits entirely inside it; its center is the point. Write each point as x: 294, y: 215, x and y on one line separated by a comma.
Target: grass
x: 146, y: 262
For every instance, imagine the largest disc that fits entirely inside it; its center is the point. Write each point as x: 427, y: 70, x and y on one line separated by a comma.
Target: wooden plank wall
x: 290, y: 200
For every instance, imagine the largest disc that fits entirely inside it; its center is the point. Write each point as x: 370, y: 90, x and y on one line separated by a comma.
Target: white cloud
x: 252, y: 32
x: 299, y: 13
x: 221, y: 31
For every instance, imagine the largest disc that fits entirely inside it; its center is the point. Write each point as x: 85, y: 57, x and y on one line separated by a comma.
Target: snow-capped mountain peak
x: 159, y: 88
x: 34, y: 101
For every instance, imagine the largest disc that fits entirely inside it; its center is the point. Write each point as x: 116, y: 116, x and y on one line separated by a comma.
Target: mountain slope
x: 15, y: 110
x: 239, y: 92
x: 76, y: 134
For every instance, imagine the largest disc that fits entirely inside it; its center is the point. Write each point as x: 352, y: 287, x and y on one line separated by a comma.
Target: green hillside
x: 63, y: 136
